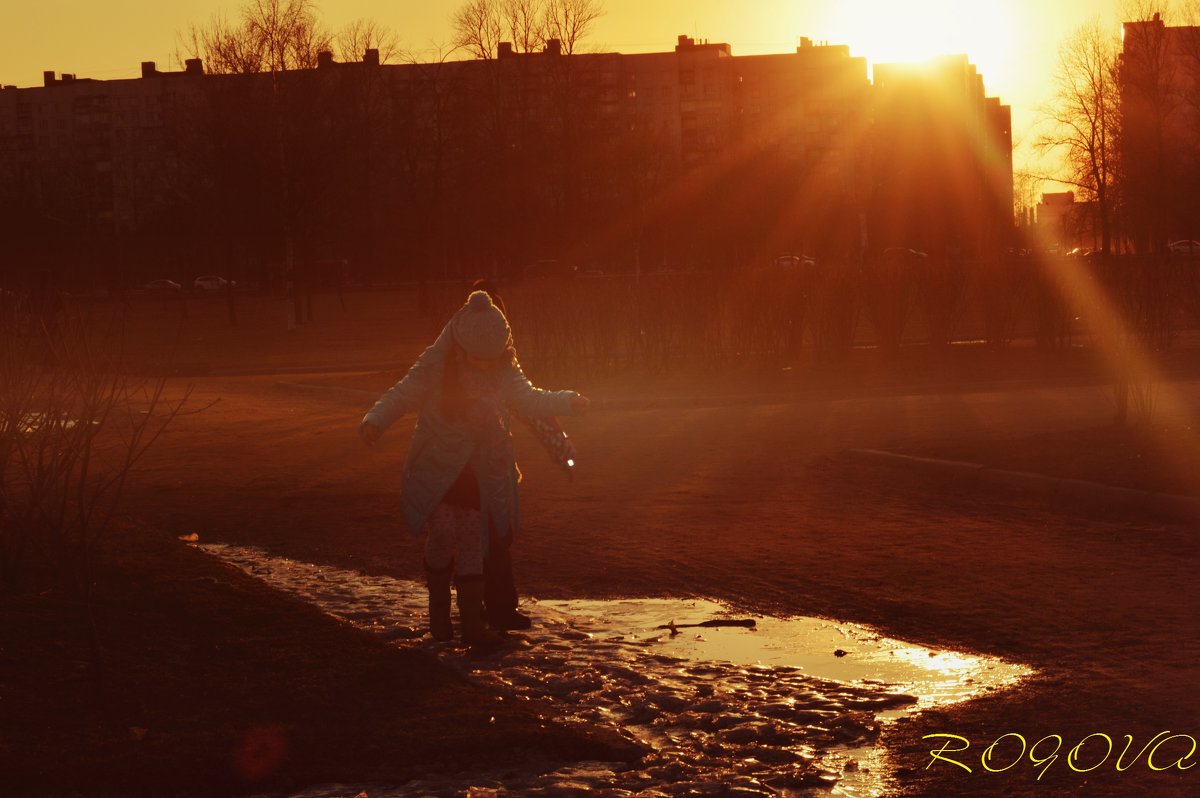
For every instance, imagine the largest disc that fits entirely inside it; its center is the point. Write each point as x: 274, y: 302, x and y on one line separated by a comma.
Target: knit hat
x: 480, y: 328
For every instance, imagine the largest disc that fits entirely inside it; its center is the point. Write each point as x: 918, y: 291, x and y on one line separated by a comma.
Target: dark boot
x: 470, y: 612
x: 500, y: 593
x: 438, y: 581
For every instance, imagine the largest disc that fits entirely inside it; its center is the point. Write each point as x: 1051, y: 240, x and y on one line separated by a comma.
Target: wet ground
x: 791, y: 706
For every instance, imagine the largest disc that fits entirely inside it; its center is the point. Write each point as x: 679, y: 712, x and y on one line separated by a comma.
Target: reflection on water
x: 791, y: 707
x: 29, y: 423
x: 932, y: 677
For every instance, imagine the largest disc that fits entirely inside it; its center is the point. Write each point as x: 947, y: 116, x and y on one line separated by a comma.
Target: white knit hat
x: 480, y: 327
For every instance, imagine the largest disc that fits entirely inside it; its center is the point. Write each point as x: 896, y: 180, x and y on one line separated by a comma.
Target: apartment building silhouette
x: 1160, y: 132
x: 693, y: 157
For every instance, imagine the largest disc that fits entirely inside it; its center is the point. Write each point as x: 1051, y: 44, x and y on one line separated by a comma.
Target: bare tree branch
x: 1084, y: 118
x: 478, y: 28
x: 270, y: 36
x: 525, y: 24
x: 570, y: 21
x: 353, y: 41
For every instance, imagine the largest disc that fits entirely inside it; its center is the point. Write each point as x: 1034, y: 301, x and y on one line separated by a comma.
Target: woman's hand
x: 580, y: 404
x: 369, y: 433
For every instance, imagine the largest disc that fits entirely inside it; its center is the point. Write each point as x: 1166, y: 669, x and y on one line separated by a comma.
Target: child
x: 500, y: 600
x: 460, y: 478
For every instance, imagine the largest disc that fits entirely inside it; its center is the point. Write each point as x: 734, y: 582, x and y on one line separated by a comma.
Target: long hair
x: 454, y: 402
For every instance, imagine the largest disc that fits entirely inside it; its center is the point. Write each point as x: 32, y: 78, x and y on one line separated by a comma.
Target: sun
x: 890, y: 31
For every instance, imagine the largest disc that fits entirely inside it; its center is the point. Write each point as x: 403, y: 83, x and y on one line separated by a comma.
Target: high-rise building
x: 694, y: 155
x: 942, y: 154
x: 1160, y: 132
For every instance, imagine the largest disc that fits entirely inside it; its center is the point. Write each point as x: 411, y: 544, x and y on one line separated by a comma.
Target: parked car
x: 209, y: 282
x: 1080, y: 252
x: 1185, y: 246
x: 904, y: 254
x: 162, y: 287
x: 791, y: 261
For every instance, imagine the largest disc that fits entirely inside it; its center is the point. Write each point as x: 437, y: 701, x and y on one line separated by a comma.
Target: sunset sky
x: 1013, y: 42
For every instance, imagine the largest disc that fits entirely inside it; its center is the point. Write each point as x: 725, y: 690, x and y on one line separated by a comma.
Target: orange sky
x: 1013, y: 42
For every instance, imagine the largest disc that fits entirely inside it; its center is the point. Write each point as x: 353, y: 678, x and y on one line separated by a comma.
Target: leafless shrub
x: 765, y: 313
x: 889, y: 285
x: 360, y: 35
x: 1003, y: 288
x: 662, y: 322
x: 1051, y: 305
x: 837, y: 298
x: 73, y: 424
x: 1189, y: 276
x: 941, y: 293
x: 764, y: 317
x: 1146, y: 294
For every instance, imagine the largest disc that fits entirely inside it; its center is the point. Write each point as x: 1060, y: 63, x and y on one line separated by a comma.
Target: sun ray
x: 885, y: 31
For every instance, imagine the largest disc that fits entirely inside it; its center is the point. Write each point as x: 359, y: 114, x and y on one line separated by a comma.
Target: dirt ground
x: 736, y: 486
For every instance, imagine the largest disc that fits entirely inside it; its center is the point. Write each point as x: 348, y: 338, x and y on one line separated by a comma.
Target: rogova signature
x: 1164, y: 751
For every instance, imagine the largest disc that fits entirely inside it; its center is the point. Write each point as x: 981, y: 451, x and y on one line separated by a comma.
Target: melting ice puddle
x: 767, y: 711
x: 932, y: 677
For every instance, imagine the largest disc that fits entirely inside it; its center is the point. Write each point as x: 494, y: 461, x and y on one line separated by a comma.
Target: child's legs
x: 452, y: 534
x: 501, y: 591
x: 440, y: 538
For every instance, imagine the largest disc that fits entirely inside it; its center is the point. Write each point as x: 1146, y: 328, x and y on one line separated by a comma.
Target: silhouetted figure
x: 460, y: 478
x: 500, y: 591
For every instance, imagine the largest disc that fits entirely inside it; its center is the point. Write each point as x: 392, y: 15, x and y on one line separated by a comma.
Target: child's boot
x: 470, y: 611
x: 438, y: 582
x: 499, y: 592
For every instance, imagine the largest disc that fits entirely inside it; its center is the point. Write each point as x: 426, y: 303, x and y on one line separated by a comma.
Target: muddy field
x: 735, y: 485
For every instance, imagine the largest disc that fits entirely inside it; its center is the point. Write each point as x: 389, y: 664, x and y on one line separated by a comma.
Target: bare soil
x: 732, y: 485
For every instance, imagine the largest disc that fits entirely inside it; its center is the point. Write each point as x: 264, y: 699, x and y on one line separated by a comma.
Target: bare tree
x: 478, y: 28
x: 570, y: 21
x: 270, y: 36
x: 525, y: 24
x: 353, y: 40
x: 1084, y: 118
x: 1190, y: 51
x: 286, y: 157
x: 1089, y: 115
x: 426, y: 128
x: 1026, y: 186
x: 1188, y: 42
x: 223, y: 48
x: 480, y: 25
x: 73, y: 426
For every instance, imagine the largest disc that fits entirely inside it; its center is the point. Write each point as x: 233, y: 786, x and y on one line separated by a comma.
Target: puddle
x: 792, y: 707
x: 932, y: 677
x: 30, y: 423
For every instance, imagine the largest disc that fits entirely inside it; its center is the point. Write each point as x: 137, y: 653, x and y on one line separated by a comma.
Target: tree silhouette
x: 478, y: 28
x: 570, y: 21
x: 355, y: 38
x: 269, y: 36
x: 1085, y: 116
x: 481, y: 25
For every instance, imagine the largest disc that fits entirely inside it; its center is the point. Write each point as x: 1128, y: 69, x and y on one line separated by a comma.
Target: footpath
x: 1169, y: 505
